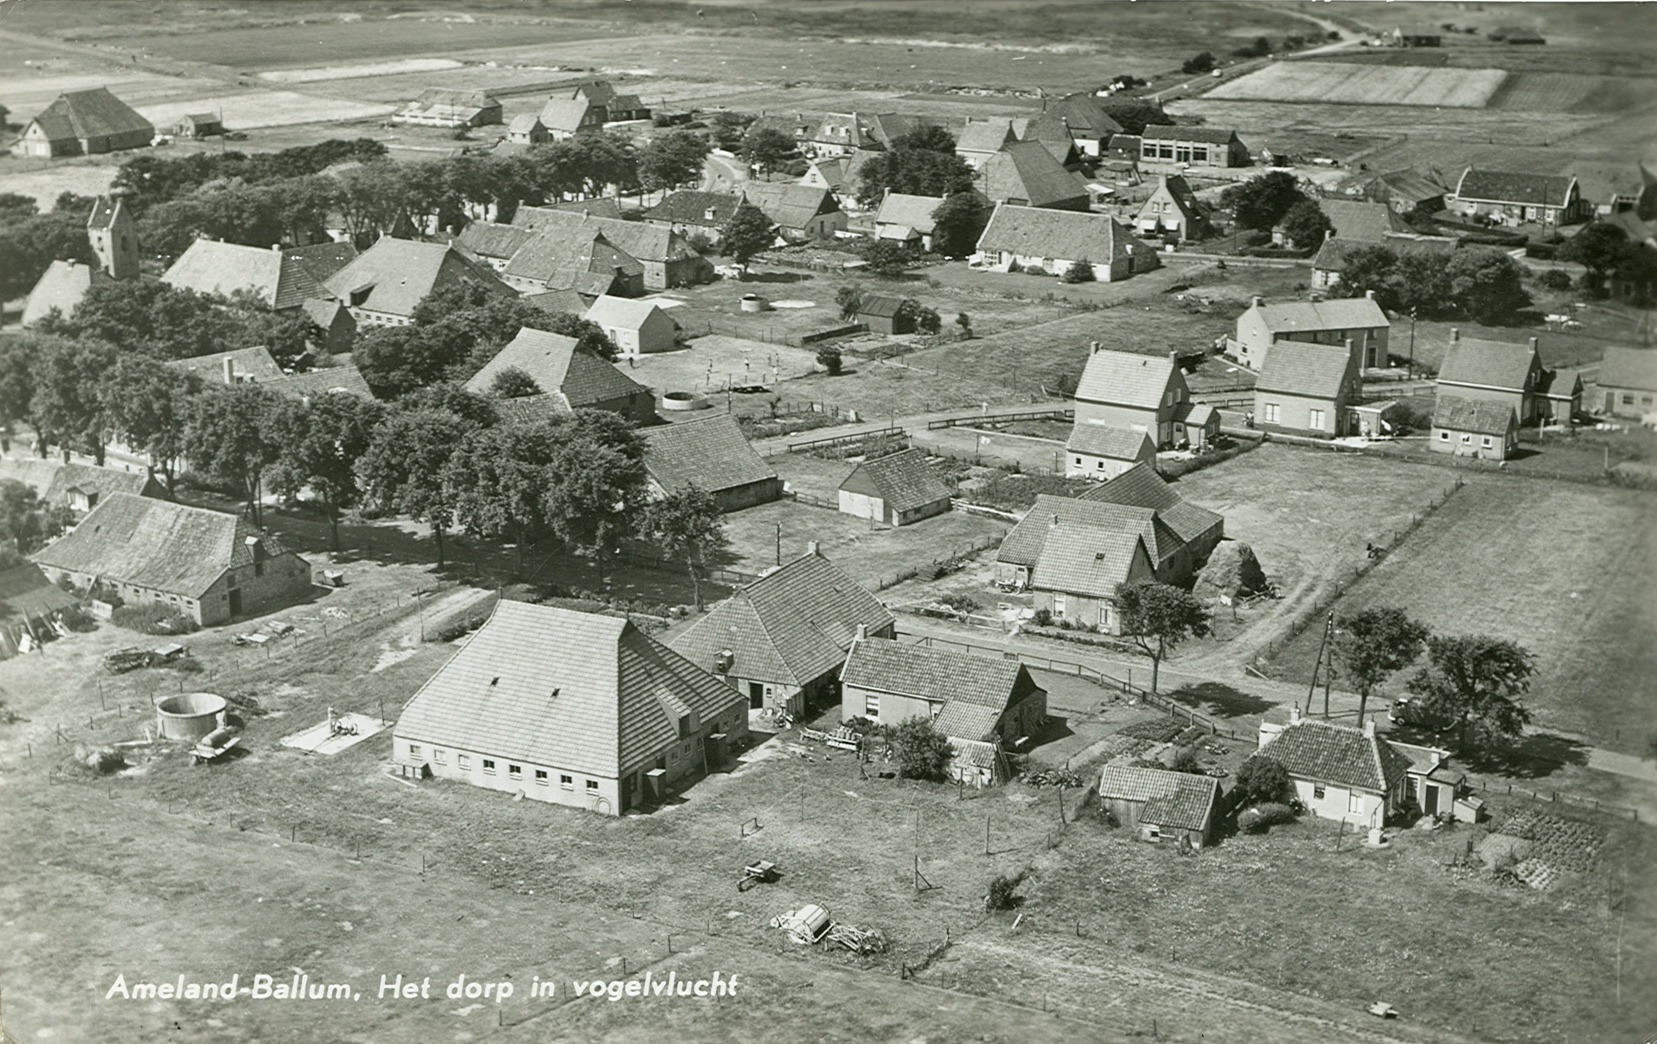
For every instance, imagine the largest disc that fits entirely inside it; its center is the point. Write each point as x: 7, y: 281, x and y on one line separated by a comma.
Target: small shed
x: 1161, y: 805
x: 1375, y: 419
x: 198, y: 125
x: 886, y: 315
x: 897, y: 489
x: 1473, y: 428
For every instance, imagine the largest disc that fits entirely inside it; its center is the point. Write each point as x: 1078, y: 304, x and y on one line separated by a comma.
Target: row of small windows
x: 464, y: 761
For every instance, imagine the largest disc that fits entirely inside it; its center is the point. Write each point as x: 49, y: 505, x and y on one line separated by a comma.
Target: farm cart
x: 123, y: 660
x: 758, y: 872
x: 213, y: 746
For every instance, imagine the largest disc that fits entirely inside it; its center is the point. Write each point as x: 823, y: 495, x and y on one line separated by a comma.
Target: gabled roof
x: 975, y: 691
x: 491, y: 240
x: 1488, y: 364
x: 558, y: 368
x: 1632, y: 368
x: 1066, y: 235
x: 1050, y: 513
x: 397, y: 274
x: 1499, y: 186
x: 1126, y: 379
x: 566, y: 115
x: 1314, y: 371
x: 1286, y: 318
x: 843, y: 128
x: 25, y: 592
x: 583, y: 260
x: 1207, y: 135
x: 1327, y: 753
x: 104, y: 209
x: 1176, y: 188
x: 1141, y: 486
x: 1479, y: 416
x: 1333, y: 255
x: 91, y: 113
x: 53, y: 479
x: 791, y: 627
x: 210, y: 266
x: 1176, y: 800
x: 985, y: 135
x: 589, y: 693
x: 559, y: 301
x: 1361, y: 219
x: 1081, y: 114
x: 251, y: 364
x: 623, y: 312
x: 693, y: 207
x: 1087, y: 561
x: 902, y: 479
x: 1562, y: 384
x: 790, y: 204
x: 1602, y: 182
x: 880, y: 306
x: 915, y: 212
x: 886, y: 127
x: 1026, y: 173
x: 710, y: 453
x: 322, y: 259
x: 1104, y: 440
x: 157, y: 544
x: 639, y: 239
x: 330, y: 380
x: 455, y: 102
x: 61, y: 286
x: 524, y: 124
x: 531, y: 409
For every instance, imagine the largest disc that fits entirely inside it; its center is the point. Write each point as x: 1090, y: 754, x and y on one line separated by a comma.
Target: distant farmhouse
x: 449, y: 107
x: 1627, y: 382
x: 84, y: 123
x: 1356, y: 319
x: 385, y: 283
x: 571, y: 709
x: 1038, y: 240
x: 211, y: 566
x: 574, y: 378
x: 1514, y: 198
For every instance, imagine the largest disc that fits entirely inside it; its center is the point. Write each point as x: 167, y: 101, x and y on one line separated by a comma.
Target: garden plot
x: 1344, y: 83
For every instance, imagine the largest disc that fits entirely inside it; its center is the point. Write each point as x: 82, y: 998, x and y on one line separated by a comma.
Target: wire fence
x: 944, y: 561
x: 1559, y: 797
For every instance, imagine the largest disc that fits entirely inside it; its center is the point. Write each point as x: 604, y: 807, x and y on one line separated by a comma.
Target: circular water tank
x: 679, y: 400
x: 754, y: 303
x: 189, y: 715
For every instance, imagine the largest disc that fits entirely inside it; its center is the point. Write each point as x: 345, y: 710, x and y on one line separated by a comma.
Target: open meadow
x: 1563, y: 569
x: 1336, y: 83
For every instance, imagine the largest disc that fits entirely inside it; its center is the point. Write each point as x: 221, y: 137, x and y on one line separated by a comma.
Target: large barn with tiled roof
x: 713, y: 455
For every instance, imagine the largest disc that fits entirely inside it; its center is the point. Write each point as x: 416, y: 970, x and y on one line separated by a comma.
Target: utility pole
x: 779, y: 543
x: 1412, y: 345
x: 1328, y: 633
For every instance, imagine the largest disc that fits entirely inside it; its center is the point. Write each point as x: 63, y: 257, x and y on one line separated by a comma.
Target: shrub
x: 963, y: 602
x: 829, y: 357
x: 153, y: 618
x: 1554, y: 279
x: 922, y: 751
x: 1262, y: 779
x: 1003, y: 894
x: 1185, y: 760
x: 1080, y: 271
x: 1044, y: 618
x: 77, y: 619
x: 1258, y: 819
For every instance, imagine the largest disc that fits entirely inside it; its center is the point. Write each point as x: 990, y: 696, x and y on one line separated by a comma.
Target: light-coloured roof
x: 331, y: 380
x: 1337, y: 313
x: 1339, y: 754
x: 790, y: 627
x: 902, y: 479
x: 210, y: 266
x: 577, y: 691
x: 899, y: 208
x: 397, y: 274
x: 1633, y: 368
x: 1088, y: 561
x: 566, y: 115
x: 53, y: 479
x: 1486, y: 363
x: 1141, y: 486
x: 61, y: 286
x: 790, y: 205
x: 985, y: 135
x: 640, y: 239
x: 1050, y: 513
x: 1177, y: 800
x: 709, y: 453
x: 623, y: 312
x: 1104, y: 440
x: 935, y: 675
x: 1479, y: 416
x: 1315, y: 371
x: 252, y: 364
x: 1332, y: 256
x: 558, y: 368
x: 1066, y: 235
x: 1127, y: 379
x: 583, y: 261
x: 157, y: 544
x: 1361, y: 219
x: 1028, y: 174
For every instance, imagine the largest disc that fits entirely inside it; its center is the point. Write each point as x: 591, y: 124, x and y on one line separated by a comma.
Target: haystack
x: 1231, y: 570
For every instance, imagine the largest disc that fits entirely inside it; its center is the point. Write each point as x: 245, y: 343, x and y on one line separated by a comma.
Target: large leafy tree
x: 1598, y: 247
x: 918, y: 172
x: 499, y: 482
x: 153, y: 318
x: 30, y: 242
x: 958, y: 222
x: 405, y: 467
x: 18, y: 358
x: 1421, y: 285
x: 671, y: 159
x: 766, y: 147
x: 1486, y: 284
x: 66, y: 404
x: 318, y: 446
x: 747, y: 233
x: 1305, y: 224
x: 228, y: 438
x: 1158, y: 617
x: 148, y: 405
x: 1374, y: 644
x: 26, y: 522
x: 1260, y: 203
x: 687, y: 526
x: 1476, y: 682
x: 1261, y: 779
x: 598, y: 478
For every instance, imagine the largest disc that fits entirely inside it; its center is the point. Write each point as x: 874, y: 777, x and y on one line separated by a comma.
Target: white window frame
x: 414, y: 750
x: 541, y: 778
x: 871, y: 705
x: 515, y: 772
x: 463, y: 760
x: 592, y: 787
x: 1271, y: 411
x: 489, y: 766
x: 566, y: 782
x: 1314, y: 417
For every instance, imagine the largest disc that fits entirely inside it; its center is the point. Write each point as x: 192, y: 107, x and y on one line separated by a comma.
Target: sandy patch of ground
x: 347, y: 72
x: 264, y: 109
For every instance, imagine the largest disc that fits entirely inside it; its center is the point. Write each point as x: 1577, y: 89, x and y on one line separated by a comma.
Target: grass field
x: 1564, y: 570
x: 1336, y: 83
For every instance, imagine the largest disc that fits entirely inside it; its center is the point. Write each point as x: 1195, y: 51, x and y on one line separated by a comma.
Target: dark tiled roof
x: 640, y: 239
x: 491, y: 240
x: 1176, y: 800
x: 881, y: 307
x: 157, y: 544
x: 1634, y: 368
x: 1027, y: 173
x: 1087, y: 561
x: 25, y: 592
x: 1500, y: 186
x: 1338, y: 754
x: 531, y: 409
x: 1316, y: 371
x: 1083, y: 115
x: 90, y: 114
x: 1141, y: 486
x: 1359, y: 219
x: 556, y: 687
x: 710, y: 454
x: 1207, y: 135
x: 398, y: 274
x: 558, y: 368
x: 1024, y: 545
x: 322, y: 259
x: 1491, y: 364
x: 789, y: 205
x: 792, y: 626
x: 585, y: 261
x: 936, y: 675
x: 902, y: 479
x: 1481, y: 417
x: 692, y: 207
x: 53, y: 479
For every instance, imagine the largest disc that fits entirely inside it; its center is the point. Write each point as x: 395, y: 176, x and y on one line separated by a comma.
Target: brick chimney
x: 1370, y: 294
x: 1369, y: 727
x: 1257, y: 302
x: 811, y: 548
x: 1533, y: 344
x: 862, y: 633
x: 229, y: 371
x: 1455, y: 334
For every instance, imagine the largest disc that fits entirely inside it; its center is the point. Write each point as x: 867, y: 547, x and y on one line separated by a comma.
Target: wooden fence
x: 1558, y: 797
x: 981, y: 418
x: 829, y: 441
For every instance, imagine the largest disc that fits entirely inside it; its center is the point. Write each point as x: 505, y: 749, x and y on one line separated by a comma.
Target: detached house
x: 382, y: 285
x: 1473, y: 428
x: 1196, y: 146
x: 1026, y: 174
x: 782, y: 640
x: 981, y: 704
x: 1079, y: 118
x: 1099, y: 451
x: 208, y: 565
x: 1332, y: 257
x: 1145, y: 393
x: 569, y: 708
x: 575, y: 379
x: 1305, y: 389
x: 1627, y: 382
x: 897, y: 489
x: 1053, y: 240
x: 84, y: 123
x: 713, y: 455
x: 1339, y: 772
x: 691, y: 210
x: 1197, y: 528
x: 1494, y: 371
x: 799, y: 211
x: 1335, y: 321
x: 1509, y: 198
x: 668, y: 258
x: 1172, y: 211
x: 907, y: 219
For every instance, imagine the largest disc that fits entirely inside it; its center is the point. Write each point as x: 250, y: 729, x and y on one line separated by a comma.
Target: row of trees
x: 1479, y: 282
